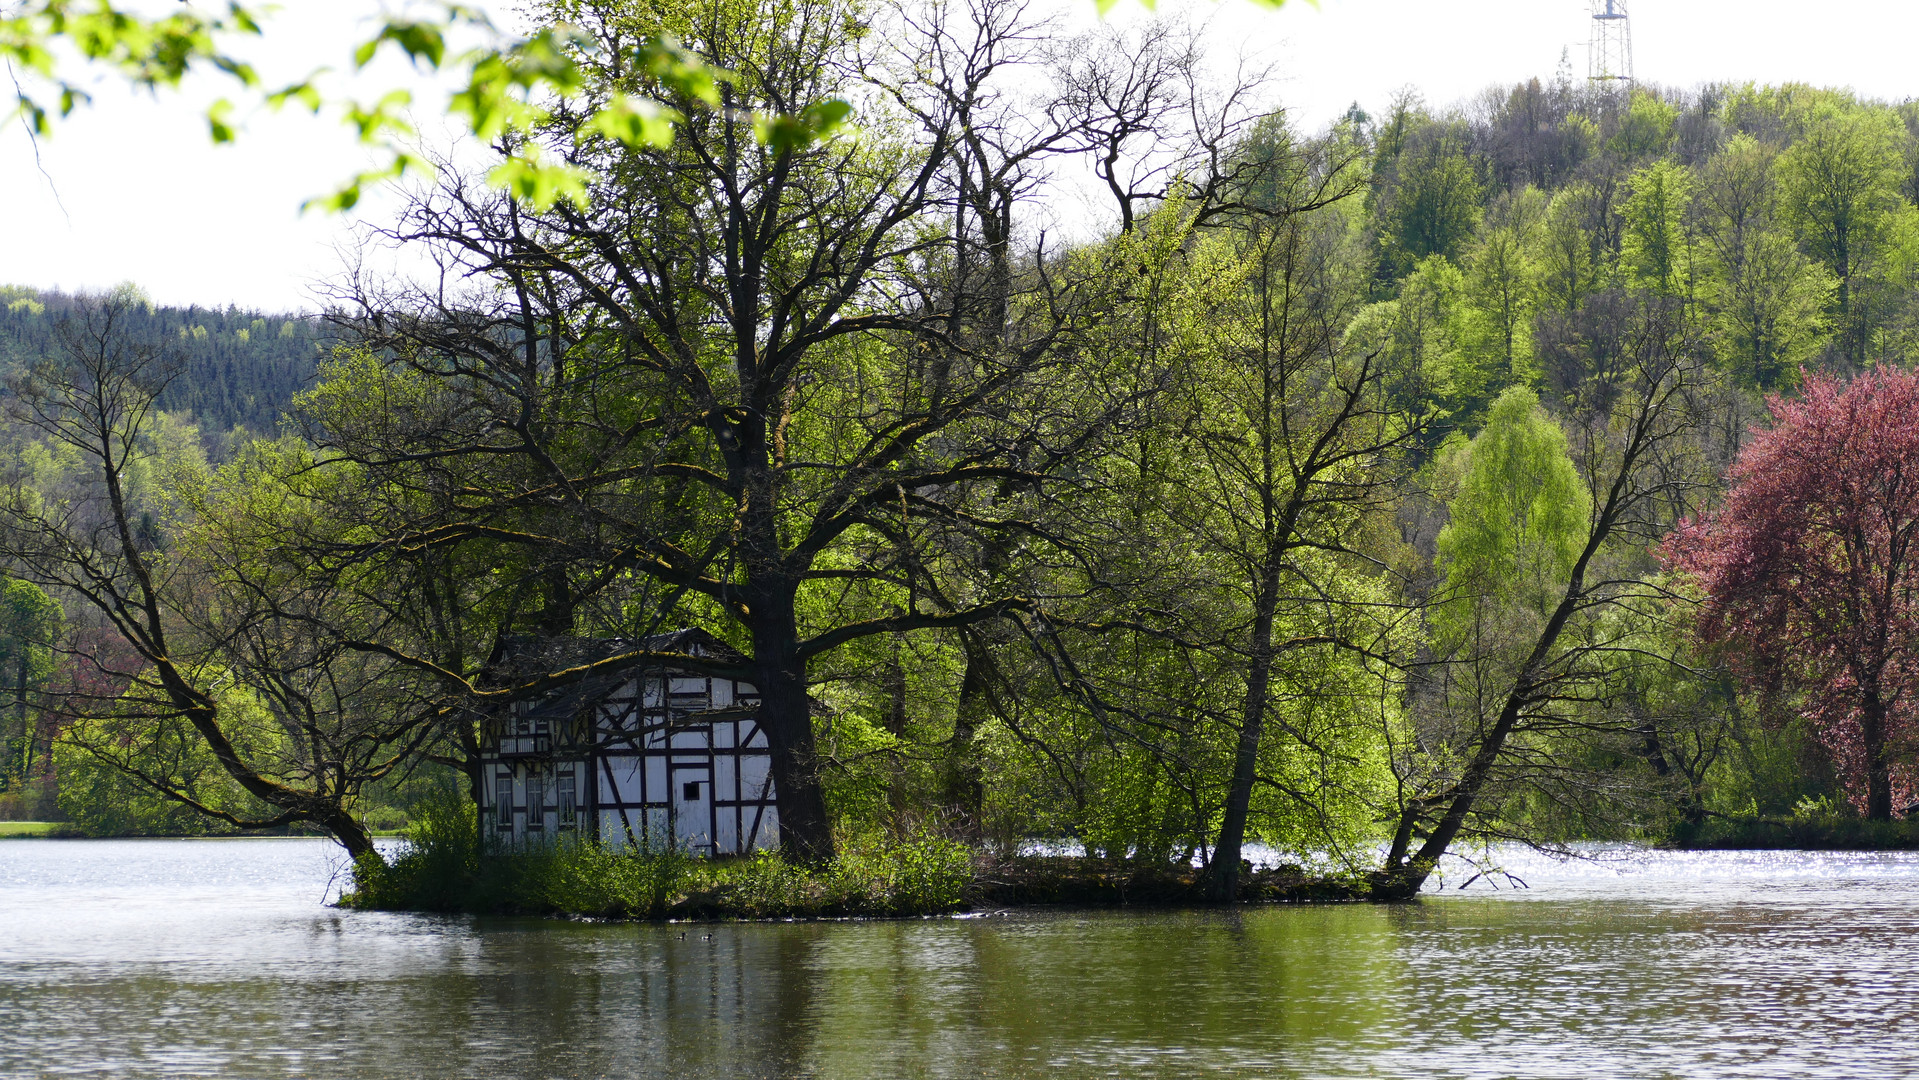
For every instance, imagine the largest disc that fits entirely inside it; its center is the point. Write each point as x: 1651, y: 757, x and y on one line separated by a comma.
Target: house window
x: 535, y: 802
x: 691, y: 791
x: 503, y: 800
x: 565, y: 795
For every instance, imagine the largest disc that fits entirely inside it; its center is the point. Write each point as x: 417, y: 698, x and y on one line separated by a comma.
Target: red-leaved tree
x: 1810, y: 575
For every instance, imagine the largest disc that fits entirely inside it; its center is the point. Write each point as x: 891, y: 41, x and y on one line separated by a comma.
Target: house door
x: 692, y: 793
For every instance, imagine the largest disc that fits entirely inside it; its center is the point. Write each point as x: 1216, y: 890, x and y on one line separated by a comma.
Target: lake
x: 219, y: 958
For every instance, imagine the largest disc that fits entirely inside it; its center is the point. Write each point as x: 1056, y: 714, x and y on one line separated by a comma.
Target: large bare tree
x: 736, y: 382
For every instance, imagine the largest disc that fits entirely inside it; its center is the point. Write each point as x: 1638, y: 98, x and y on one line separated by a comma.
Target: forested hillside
x: 237, y: 368
x: 1779, y: 220
x: 1330, y: 498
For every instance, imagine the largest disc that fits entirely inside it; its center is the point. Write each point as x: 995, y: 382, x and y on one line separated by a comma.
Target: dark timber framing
x: 649, y: 757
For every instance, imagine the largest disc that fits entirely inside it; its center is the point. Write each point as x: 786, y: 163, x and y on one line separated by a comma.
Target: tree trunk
x: 1222, y: 879
x: 899, y: 800
x: 24, y: 759
x: 785, y: 716
x: 1872, y: 728
x: 350, y: 833
x: 1691, y: 810
x: 963, y: 784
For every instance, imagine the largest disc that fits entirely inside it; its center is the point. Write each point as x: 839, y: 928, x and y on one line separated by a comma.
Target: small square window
x: 691, y: 791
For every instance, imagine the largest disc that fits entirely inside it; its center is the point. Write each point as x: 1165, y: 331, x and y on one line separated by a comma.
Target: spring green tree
x: 1515, y: 525
x: 1526, y: 637
x: 1501, y: 279
x: 131, y: 771
x: 1840, y: 184
x: 1573, y: 262
x: 30, y: 626
x: 1768, y: 301
x: 1656, y: 249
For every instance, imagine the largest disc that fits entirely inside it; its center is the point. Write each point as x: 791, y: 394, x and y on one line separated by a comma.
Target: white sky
x: 147, y: 199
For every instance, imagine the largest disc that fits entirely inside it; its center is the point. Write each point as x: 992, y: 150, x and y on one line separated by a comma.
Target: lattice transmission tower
x: 1610, y: 55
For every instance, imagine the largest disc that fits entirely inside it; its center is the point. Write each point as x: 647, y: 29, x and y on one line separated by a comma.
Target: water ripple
x: 218, y: 958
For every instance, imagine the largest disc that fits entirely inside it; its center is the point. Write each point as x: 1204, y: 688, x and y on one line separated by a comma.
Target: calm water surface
x: 219, y: 958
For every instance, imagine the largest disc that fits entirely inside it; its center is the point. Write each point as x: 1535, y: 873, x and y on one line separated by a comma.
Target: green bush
x: 442, y: 867
x: 437, y: 870
x: 919, y: 874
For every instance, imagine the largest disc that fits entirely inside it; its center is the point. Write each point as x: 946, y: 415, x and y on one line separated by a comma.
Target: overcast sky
x: 133, y: 191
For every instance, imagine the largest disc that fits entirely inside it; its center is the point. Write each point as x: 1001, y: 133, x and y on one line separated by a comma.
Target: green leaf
x: 243, y: 20
x: 540, y: 184
x: 680, y: 71
x: 384, y: 116
x: 543, y: 60
x: 635, y: 122
x: 303, y: 92
x: 242, y: 72
x: 217, y: 125
x: 347, y: 195
x: 818, y: 121
x: 419, y: 40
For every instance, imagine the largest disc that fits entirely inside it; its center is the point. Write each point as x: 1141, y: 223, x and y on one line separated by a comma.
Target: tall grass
x: 442, y: 867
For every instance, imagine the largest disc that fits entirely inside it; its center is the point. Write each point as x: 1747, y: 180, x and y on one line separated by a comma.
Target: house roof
x: 526, y: 655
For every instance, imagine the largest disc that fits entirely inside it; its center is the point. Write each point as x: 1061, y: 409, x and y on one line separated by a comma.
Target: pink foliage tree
x: 1810, y: 574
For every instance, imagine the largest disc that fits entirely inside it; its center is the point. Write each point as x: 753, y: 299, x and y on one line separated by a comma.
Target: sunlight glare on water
x: 219, y: 958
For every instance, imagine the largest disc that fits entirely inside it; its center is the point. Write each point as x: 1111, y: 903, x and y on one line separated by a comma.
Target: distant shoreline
x: 1798, y: 834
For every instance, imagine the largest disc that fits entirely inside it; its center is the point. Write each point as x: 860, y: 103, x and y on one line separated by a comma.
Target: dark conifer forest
x: 236, y: 368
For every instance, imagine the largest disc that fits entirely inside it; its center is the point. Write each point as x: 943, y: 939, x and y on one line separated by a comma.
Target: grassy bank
x: 1822, y: 832
x: 582, y: 878
x: 443, y: 869
x: 22, y: 829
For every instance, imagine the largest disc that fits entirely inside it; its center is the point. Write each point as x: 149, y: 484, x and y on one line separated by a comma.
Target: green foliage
x: 511, y: 87
x: 1434, y: 201
x: 1840, y: 184
x: 1572, y: 258
x: 437, y: 870
x: 1517, y: 521
x: 110, y: 769
x: 1422, y: 331
x: 1813, y: 825
x: 1768, y: 299
x: 1767, y: 771
x: 1647, y: 127
x: 1656, y: 251
x: 30, y: 625
x: 443, y: 867
x: 1501, y: 279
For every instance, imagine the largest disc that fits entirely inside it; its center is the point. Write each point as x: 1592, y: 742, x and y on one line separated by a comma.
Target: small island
x: 915, y: 538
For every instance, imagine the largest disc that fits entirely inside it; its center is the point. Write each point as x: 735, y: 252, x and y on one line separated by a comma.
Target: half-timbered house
x: 646, y: 755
